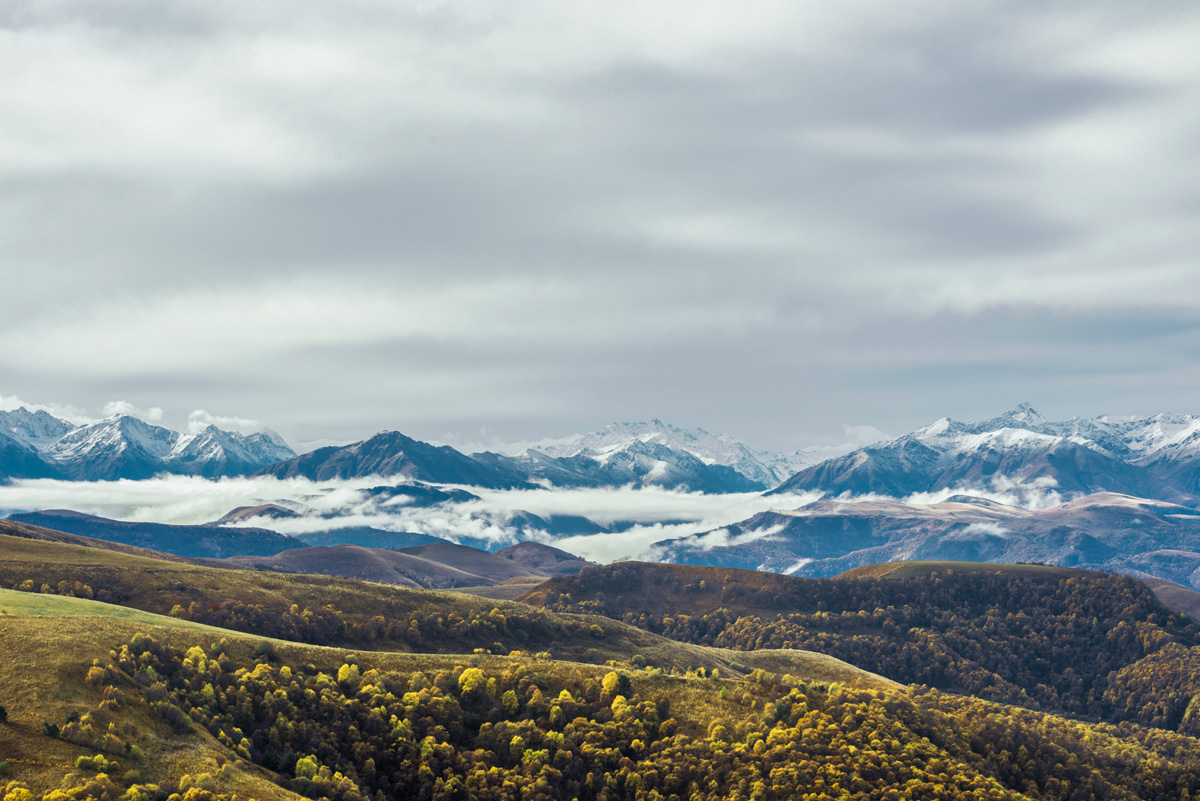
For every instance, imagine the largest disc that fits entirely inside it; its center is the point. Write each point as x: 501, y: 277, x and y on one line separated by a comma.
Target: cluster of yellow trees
x: 97, y: 783
x: 466, y: 733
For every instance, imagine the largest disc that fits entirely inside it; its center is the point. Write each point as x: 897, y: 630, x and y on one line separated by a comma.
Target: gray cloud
x: 540, y: 218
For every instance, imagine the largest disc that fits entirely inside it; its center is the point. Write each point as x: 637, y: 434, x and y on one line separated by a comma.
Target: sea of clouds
x: 640, y: 518
x: 644, y: 516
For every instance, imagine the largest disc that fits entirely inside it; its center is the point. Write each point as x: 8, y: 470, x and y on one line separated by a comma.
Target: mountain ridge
x: 1021, y: 451
x: 39, y: 445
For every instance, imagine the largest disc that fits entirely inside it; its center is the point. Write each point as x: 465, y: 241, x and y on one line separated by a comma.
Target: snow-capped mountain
x: 640, y: 463
x: 1153, y: 457
x: 39, y: 445
x: 21, y: 460
x: 764, y: 468
x: 1018, y: 453
x: 37, y: 429
x: 390, y: 453
x: 214, y: 452
x: 119, y: 447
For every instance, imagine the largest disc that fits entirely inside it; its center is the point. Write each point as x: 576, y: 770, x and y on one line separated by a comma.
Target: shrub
x: 3, y: 714
x: 265, y: 651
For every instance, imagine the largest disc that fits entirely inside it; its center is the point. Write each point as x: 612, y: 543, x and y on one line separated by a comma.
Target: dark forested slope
x: 1043, y: 637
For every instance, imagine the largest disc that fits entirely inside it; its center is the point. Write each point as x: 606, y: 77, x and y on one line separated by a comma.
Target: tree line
x: 1046, y: 643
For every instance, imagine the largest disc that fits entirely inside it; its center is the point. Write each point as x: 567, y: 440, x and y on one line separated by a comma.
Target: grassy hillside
x: 353, y: 613
x: 49, y: 647
x: 207, y: 714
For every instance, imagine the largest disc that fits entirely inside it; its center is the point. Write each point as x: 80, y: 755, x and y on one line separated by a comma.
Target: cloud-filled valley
x: 646, y: 516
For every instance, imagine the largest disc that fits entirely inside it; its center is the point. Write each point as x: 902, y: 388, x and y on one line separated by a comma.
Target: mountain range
x: 1109, y: 493
x: 634, y: 461
x: 766, y: 468
x: 1020, y: 453
x: 39, y: 445
x: 1024, y: 454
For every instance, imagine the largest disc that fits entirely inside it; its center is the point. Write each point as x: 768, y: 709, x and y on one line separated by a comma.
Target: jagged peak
x: 938, y: 428
x: 1025, y: 413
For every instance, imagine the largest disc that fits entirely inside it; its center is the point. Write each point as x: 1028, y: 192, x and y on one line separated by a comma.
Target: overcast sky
x: 771, y: 220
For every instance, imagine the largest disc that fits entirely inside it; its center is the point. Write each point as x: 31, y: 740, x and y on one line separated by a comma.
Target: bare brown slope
x: 270, y: 510
x: 491, y: 568
x: 12, y: 528
x: 428, y: 567
x: 1176, y: 596
x: 546, y: 558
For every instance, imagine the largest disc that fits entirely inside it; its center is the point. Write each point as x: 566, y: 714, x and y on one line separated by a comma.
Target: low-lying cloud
x: 1033, y: 494
x: 640, y: 517
x: 120, y: 407
x: 646, y: 516
x: 199, y: 420
x: 979, y: 532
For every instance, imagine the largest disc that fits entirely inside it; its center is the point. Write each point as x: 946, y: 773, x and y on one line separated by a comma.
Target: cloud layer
x: 541, y: 217
x: 646, y: 515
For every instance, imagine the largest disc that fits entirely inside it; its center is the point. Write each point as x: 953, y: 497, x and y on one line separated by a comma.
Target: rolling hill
x: 410, y: 560
x: 107, y: 702
x: 439, y: 565
x: 213, y: 542
x: 1039, y: 636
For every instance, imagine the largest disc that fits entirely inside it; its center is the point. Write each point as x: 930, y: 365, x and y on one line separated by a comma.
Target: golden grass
x: 497, y: 592
x: 47, y: 654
